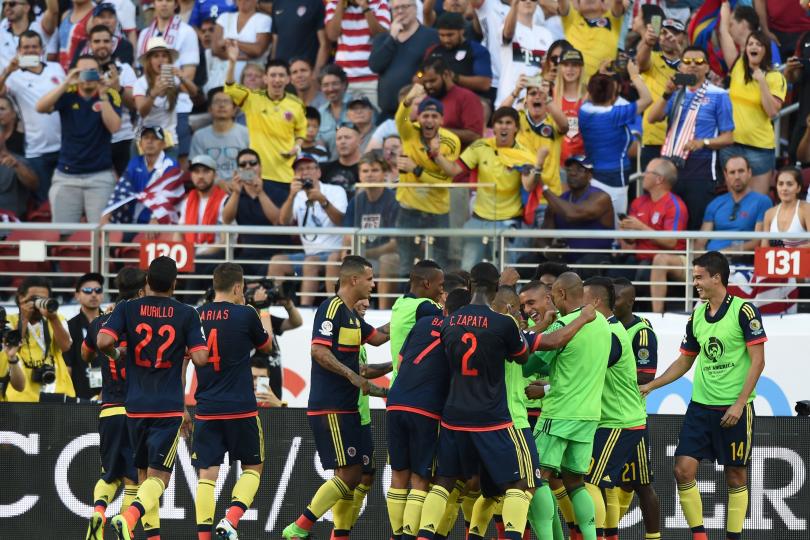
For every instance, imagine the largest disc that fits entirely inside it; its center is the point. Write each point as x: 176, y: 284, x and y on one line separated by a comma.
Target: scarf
x: 210, y: 214
x: 675, y: 143
x: 170, y: 35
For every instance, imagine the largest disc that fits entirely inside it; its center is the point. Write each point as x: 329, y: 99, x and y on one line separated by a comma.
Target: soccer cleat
x: 95, y: 529
x: 291, y: 532
x: 121, y: 528
x: 225, y: 531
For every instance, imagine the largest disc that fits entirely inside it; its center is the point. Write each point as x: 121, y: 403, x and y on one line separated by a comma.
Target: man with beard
x: 302, y: 77
x: 203, y: 206
x: 463, y: 112
x: 470, y: 62
x: 422, y: 144
x: 121, y: 49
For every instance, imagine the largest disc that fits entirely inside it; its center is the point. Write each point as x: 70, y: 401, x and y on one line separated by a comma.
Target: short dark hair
x: 277, y: 62
x: 98, y: 28
x: 90, y: 276
x: 375, y: 156
x: 606, y: 289
x: 226, y: 275
x: 129, y: 281
x: 696, y: 48
x: 737, y: 156
x: 601, y: 87
x: 715, y: 263
x: 532, y: 285
x: 335, y: 70
x: 29, y: 34
x: 422, y: 270
x: 248, y: 152
x: 460, y: 279
x: 353, y: 265
x: 622, y: 282
x: 311, y: 113
x: 260, y: 362
x: 435, y: 63
x: 484, y: 275
x: 162, y: 274
x: 457, y: 300
x: 746, y: 14
x: 34, y: 281
x: 551, y: 268
x: 303, y: 59
x: 506, y: 112
x: 213, y: 92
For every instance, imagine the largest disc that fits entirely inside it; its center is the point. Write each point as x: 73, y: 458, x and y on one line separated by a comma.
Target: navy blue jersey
x: 225, y: 385
x: 645, y: 345
x: 476, y: 340
x: 424, y: 373
x: 113, y: 374
x: 337, y: 327
x: 158, y: 330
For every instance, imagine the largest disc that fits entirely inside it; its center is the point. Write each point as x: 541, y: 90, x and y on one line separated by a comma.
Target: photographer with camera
x: 44, y: 338
x: 10, y: 372
x: 310, y: 205
x: 262, y: 294
x: 86, y: 377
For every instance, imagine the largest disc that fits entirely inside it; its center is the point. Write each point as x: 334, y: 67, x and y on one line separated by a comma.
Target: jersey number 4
x: 166, y: 332
x: 469, y: 339
x: 213, y: 349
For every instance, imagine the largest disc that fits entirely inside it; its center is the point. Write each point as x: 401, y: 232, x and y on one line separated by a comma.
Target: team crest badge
x: 714, y: 349
x: 537, y: 474
x: 288, y: 116
x: 546, y: 130
x: 326, y: 328
x: 461, y: 55
x: 301, y: 10
x: 655, y: 217
x: 366, y: 460
x: 643, y: 356
x: 755, y: 326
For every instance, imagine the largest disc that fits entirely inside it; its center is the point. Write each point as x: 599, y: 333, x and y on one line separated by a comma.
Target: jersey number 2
x: 213, y: 349
x: 469, y: 339
x: 167, y: 332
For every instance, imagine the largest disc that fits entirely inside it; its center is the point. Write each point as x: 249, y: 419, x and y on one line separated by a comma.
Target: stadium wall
x: 49, y: 464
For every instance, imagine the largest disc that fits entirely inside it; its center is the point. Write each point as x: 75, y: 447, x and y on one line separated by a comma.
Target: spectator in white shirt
x: 248, y: 29
x: 17, y: 18
x: 26, y: 85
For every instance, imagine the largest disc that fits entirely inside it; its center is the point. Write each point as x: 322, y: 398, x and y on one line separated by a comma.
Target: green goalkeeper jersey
x: 516, y: 394
x: 362, y: 402
x: 622, y: 405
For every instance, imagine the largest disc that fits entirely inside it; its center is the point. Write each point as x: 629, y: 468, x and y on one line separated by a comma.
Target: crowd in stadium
x: 271, y: 113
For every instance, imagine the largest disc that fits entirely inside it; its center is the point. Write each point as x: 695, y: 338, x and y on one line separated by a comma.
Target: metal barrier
x: 76, y: 248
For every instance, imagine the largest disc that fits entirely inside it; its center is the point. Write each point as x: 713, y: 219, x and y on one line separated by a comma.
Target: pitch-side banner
x: 49, y: 464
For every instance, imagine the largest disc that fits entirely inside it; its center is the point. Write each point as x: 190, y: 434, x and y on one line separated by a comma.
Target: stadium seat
x: 40, y: 214
x: 78, y: 246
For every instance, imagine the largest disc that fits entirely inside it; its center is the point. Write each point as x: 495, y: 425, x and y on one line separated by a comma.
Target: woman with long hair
x: 791, y: 215
x: 757, y: 92
x: 569, y: 94
x: 156, y: 91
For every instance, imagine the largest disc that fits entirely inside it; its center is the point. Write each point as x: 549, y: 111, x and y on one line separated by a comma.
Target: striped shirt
x: 354, y: 43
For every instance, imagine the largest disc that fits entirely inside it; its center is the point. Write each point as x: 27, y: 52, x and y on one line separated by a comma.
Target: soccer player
x: 413, y: 411
x: 726, y: 337
x: 645, y: 351
x: 337, y: 335
x: 422, y: 300
x: 623, y: 426
x: 114, y: 446
x: 159, y: 331
x: 571, y: 408
x: 226, y: 418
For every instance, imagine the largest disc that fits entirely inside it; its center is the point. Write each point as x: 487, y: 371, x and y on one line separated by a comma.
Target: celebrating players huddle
x: 504, y: 417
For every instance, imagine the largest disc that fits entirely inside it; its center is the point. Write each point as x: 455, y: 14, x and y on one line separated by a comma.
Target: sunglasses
x: 555, y: 59
x: 246, y: 164
x: 696, y: 61
x: 349, y: 125
x: 734, y: 210
x: 91, y: 290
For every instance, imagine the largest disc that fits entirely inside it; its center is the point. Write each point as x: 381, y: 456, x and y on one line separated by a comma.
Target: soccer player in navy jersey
x: 226, y: 418
x: 413, y: 411
x: 337, y: 335
x: 116, y: 452
x: 159, y: 331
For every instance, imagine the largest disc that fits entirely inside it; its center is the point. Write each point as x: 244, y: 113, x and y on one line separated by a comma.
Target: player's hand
x: 547, y: 320
x: 588, y: 312
x: 405, y: 164
x: 732, y: 416
x: 509, y: 277
x: 11, y: 352
x: 360, y: 383
x: 645, y: 389
x: 377, y: 391
x: 536, y: 390
x: 187, y: 427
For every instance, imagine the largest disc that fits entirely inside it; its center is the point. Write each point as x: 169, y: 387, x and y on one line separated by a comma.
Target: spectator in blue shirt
x: 209, y: 9
x: 90, y: 112
x: 694, y: 151
x: 470, y: 62
x: 606, y: 122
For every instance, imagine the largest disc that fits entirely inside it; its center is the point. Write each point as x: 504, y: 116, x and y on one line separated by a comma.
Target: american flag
x: 161, y: 196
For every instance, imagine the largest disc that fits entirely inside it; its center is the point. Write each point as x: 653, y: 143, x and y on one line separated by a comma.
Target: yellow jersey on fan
x: 544, y: 135
x: 596, y: 39
x: 656, y: 79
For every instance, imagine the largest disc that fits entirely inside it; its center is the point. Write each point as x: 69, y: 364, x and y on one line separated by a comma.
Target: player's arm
x: 380, y: 335
x: 373, y: 371
x: 111, y: 330
x: 324, y: 357
x: 645, y: 349
x: 755, y: 338
x: 674, y: 372
x: 560, y: 338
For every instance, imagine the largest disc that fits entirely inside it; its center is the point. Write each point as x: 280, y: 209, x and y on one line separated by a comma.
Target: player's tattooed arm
x: 674, y: 372
x: 327, y: 360
x: 560, y: 338
x: 372, y: 371
x: 381, y: 336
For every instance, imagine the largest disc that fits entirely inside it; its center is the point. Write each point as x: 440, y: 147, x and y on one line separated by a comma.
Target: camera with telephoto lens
x: 44, y: 373
x: 48, y: 304
x: 275, y: 293
x: 10, y: 337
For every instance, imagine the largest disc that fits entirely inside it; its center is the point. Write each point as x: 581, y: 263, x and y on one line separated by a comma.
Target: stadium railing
x: 65, y: 251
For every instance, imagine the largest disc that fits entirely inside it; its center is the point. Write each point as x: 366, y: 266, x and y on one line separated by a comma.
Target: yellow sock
x: 205, y: 504
x: 342, y: 513
x: 691, y: 504
x: 515, y: 507
x: 652, y: 536
x: 737, y: 506
x: 598, y: 505
x: 151, y: 521
x: 565, y: 505
x: 360, y: 493
x: 148, y: 497
x: 395, y: 500
x: 246, y: 487
x: 467, y: 504
x: 130, y: 492
x: 625, y: 499
x: 413, y: 512
x: 433, y: 509
x: 612, y: 508
x: 482, y: 514
x: 327, y: 495
x: 451, y: 511
x: 104, y: 493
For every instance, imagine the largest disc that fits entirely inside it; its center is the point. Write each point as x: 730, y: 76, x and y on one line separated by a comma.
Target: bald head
x: 505, y: 298
x: 666, y: 169
x: 567, y: 292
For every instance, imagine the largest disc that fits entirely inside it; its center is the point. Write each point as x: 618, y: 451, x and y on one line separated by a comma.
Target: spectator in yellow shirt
x: 276, y: 123
x: 757, y: 93
x: 503, y: 167
x: 45, y: 338
x: 592, y: 30
x: 423, y: 144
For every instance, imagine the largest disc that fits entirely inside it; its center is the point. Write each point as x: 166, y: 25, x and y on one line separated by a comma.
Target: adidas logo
x: 430, y: 527
x: 209, y: 520
x: 407, y: 528
x: 194, y: 455
x: 606, y: 478
x: 509, y: 525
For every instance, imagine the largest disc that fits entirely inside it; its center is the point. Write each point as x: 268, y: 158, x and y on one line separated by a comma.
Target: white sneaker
x: 225, y: 531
